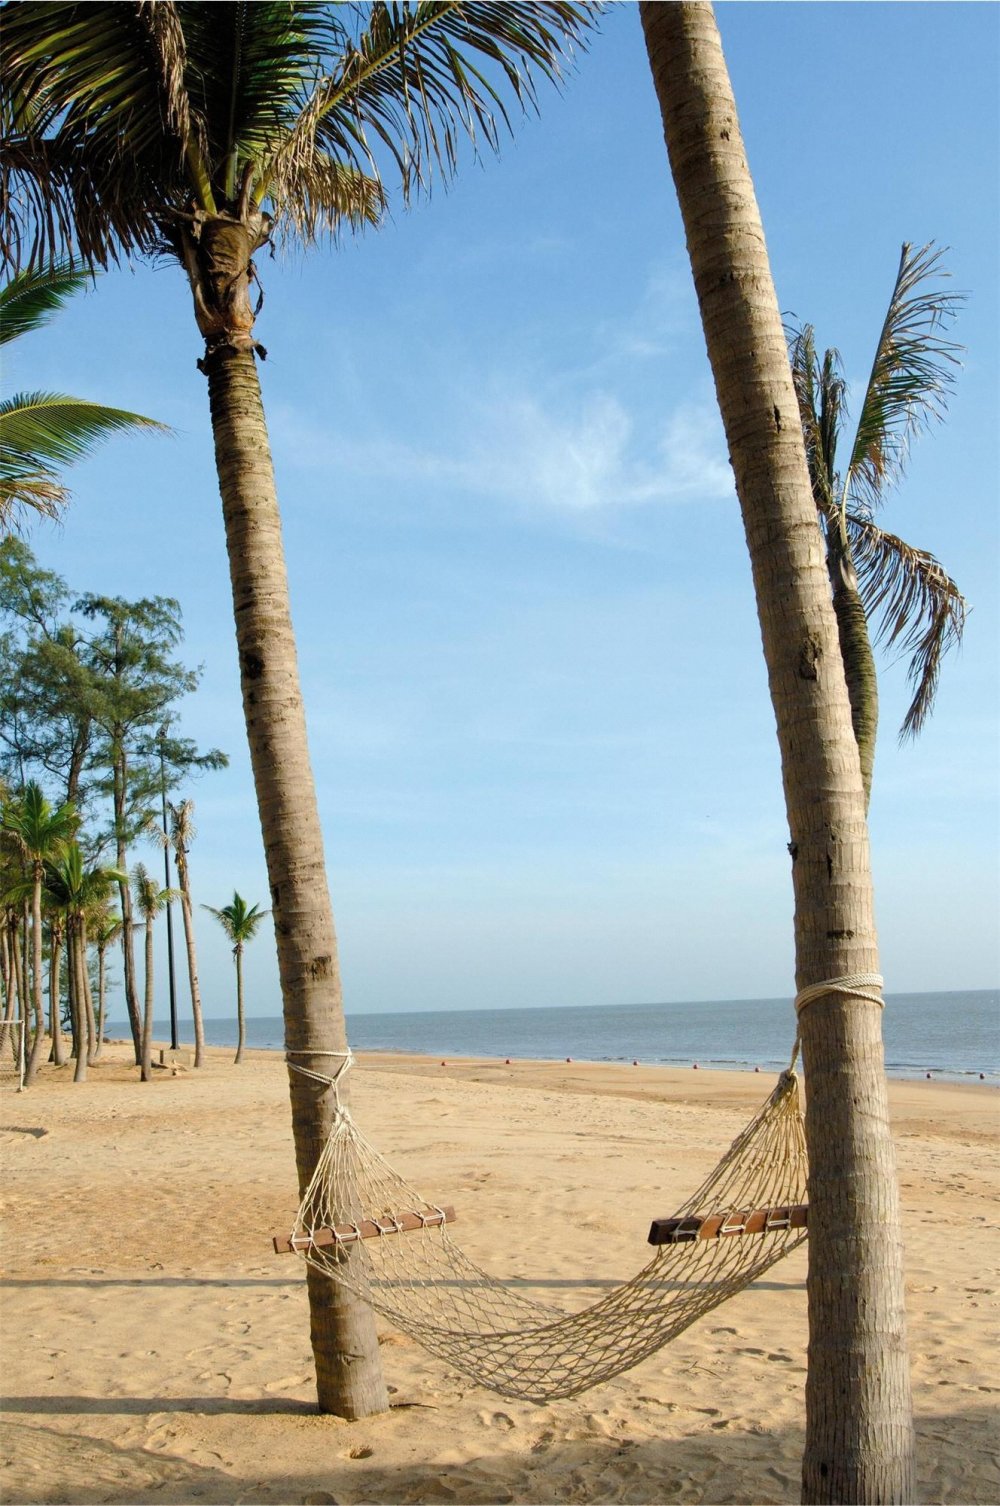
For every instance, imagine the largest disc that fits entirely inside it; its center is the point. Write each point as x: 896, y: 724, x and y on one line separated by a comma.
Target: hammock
x: 354, y: 1220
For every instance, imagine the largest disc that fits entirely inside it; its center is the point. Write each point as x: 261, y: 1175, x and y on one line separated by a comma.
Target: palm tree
x: 106, y: 930
x: 182, y: 833
x: 77, y: 889
x: 39, y: 833
x: 240, y: 923
x: 207, y: 131
x: 873, y: 573
x: 43, y: 432
x: 150, y: 899
x: 859, y: 1435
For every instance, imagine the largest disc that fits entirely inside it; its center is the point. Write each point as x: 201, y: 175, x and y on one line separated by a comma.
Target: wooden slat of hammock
x: 368, y: 1228
x: 675, y: 1231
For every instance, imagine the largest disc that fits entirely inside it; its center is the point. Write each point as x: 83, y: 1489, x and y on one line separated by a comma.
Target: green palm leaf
x: 911, y: 376
x: 31, y: 298
x: 42, y: 432
x: 420, y: 73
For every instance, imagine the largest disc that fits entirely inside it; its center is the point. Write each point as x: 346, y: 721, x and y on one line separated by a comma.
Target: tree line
x: 90, y: 691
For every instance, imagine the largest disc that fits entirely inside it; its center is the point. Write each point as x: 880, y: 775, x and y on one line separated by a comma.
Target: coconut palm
x: 241, y: 924
x: 76, y: 889
x: 859, y: 1436
x: 106, y: 929
x: 41, y: 433
x: 150, y: 899
x: 39, y: 832
x: 875, y: 574
x: 206, y: 131
x: 182, y: 834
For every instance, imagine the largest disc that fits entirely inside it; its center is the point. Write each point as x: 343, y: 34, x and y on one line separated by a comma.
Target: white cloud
x: 574, y: 456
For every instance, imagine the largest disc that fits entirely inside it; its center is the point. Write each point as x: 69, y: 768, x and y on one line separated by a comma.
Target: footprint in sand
x: 497, y: 1420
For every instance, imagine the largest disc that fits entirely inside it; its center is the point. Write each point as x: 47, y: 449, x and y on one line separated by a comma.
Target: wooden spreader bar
x: 675, y: 1231
x: 368, y: 1228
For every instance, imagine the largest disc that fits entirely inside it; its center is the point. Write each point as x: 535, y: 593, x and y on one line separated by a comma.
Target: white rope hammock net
x: 492, y: 1330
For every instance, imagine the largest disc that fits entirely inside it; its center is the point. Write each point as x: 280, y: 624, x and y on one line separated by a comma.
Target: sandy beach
x: 156, y: 1350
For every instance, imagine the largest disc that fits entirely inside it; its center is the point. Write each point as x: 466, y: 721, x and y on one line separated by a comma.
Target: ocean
x: 952, y: 1035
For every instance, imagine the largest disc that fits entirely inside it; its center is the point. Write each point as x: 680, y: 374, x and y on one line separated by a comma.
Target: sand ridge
x: 154, y: 1349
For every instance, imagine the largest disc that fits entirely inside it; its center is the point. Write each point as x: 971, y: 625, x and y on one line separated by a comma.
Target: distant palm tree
x: 39, y: 832
x: 206, y: 131
x: 182, y: 834
x: 150, y: 899
x: 76, y: 888
x: 240, y: 923
x: 874, y: 573
x: 43, y: 432
x: 105, y: 931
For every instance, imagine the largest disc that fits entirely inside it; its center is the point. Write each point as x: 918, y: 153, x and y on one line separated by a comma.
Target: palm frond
x: 921, y: 610
x: 820, y: 396
x: 96, y: 134
x: 59, y: 430
x: 422, y: 75
x: 33, y: 296
x: 911, y: 377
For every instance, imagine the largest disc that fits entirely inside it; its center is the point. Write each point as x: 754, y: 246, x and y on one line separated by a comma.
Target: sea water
x: 952, y: 1035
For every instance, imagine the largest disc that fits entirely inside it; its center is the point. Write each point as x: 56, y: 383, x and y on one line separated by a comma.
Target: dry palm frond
x: 921, y: 609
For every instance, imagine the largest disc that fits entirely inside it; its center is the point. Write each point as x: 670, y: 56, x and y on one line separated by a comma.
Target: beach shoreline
x: 156, y: 1349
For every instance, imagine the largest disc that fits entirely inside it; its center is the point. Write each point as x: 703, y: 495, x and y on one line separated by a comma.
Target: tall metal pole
x: 166, y: 874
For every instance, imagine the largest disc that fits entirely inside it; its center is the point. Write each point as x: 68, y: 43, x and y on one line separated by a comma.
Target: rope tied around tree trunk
x: 346, y: 1063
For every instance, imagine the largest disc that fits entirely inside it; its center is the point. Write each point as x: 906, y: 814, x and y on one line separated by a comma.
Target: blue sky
x: 539, y: 719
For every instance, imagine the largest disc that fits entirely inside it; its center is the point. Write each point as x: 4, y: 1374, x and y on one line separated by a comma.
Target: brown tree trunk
x: 58, y: 1054
x: 125, y: 899
x: 146, y: 1053
x: 856, y: 651
x: 88, y: 996
x: 345, y: 1346
x: 101, y: 1001
x: 241, y: 1024
x: 38, y: 1007
x: 859, y: 1444
x: 184, y: 880
x: 77, y: 960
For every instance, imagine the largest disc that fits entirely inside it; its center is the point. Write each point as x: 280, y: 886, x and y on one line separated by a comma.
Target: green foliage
x: 121, y: 117
x: 239, y: 920
x: 41, y: 433
x: 914, y: 603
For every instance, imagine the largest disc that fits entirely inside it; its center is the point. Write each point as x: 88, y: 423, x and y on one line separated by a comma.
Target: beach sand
x: 156, y: 1350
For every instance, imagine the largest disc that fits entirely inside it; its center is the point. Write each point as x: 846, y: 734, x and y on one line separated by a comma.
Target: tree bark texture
x: 345, y: 1346
x: 859, y: 660
x: 38, y: 1006
x: 125, y: 899
x: 859, y: 1445
x: 146, y: 1044
x: 184, y: 880
x: 241, y: 1029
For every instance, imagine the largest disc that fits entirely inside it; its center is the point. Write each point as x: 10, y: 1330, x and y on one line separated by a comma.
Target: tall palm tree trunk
x: 125, y: 899
x: 38, y: 1006
x: 146, y: 1052
x: 88, y: 993
x: 184, y: 879
x: 345, y: 1346
x: 241, y: 1024
x: 78, y: 971
x: 858, y: 1418
x: 58, y: 1053
x: 102, y: 1004
x: 856, y: 652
